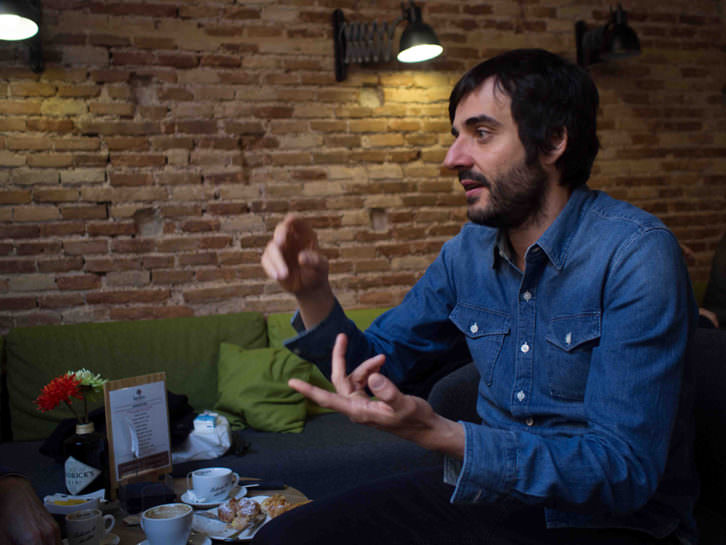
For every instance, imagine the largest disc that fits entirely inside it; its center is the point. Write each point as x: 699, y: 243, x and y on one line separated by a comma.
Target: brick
x: 35, y: 248
x: 35, y: 213
x: 110, y: 75
x: 63, y: 300
x: 112, y: 108
x: 197, y: 259
x: 84, y: 212
x: 78, y: 282
x: 79, y: 176
x: 32, y: 282
x: 15, y: 197
x: 20, y: 107
x: 17, y: 266
x: 132, y: 246
x: 127, y: 296
x: 32, y: 89
x: 128, y: 278
x: 50, y: 160
x: 16, y: 303
x: 174, y: 277
x: 85, y: 247
x: 60, y: 265
x: 55, y: 195
x: 112, y: 229
x: 137, y: 159
x: 150, y: 313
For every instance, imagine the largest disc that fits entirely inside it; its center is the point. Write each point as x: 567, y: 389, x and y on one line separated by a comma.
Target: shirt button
x: 526, y: 296
x: 529, y: 421
x: 474, y: 327
x: 521, y: 396
x: 524, y: 348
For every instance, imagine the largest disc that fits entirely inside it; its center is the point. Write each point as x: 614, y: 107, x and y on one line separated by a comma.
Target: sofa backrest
x: 185, y: 348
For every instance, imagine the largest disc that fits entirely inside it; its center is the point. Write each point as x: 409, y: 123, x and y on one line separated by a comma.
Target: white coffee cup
x: 211, y: 483
x: 167, y: 524
x: 88, y: 526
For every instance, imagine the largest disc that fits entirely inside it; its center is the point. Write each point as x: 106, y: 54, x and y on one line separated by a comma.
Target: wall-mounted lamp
x: 615, y: 40
x: 20, y: 20
x: 372, y: 42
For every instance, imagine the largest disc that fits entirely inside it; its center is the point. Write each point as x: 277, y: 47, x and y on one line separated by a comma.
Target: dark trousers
x: 414, y: 509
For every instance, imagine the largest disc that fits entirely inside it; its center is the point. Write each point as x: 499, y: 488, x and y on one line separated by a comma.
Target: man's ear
x: 559, y: 145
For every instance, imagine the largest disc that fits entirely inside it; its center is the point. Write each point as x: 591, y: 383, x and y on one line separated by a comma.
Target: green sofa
x: 328, y: 453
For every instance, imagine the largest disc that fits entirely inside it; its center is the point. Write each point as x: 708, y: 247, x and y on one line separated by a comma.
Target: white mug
x: 167, y: 524
x: 88, y: 526
x: 211, y: 483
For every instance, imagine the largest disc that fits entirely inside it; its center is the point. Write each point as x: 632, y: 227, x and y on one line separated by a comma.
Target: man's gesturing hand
x: 293, y: 257
x: 407, y: 416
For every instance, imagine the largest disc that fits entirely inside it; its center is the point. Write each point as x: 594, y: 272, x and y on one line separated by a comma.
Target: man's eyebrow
x: 476, y: 120
x: 482, y: 118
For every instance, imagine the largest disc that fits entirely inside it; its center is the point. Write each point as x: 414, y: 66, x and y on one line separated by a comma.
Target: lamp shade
x: 418, y: 43
x: 619, y: 40
x: 19, y: 19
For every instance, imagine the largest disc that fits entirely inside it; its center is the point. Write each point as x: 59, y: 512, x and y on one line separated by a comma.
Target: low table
x: 130, y: 533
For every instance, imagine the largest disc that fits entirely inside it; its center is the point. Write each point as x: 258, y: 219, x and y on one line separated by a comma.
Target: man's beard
x: 515, y: 197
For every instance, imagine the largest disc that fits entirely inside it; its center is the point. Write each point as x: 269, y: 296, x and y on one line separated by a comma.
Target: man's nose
x: 457, y: 156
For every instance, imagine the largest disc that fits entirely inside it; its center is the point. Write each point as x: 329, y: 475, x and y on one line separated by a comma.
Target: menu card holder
x: 137, y: 429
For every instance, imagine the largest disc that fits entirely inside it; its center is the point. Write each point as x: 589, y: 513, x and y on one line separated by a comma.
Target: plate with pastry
x: 239, y: 519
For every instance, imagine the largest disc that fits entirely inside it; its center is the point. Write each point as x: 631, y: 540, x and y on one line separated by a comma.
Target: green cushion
x: 253, y: 388
x: 279, y: 328
x: 699, y: 290
x: 185, y: 348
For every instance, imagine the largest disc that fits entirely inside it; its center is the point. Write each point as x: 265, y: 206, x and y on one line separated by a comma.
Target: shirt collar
x: 555, y: 241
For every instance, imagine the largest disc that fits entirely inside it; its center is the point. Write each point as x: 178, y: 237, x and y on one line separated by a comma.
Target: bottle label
x: 79, y: 475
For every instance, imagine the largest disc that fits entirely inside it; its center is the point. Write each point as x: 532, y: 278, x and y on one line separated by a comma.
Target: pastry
x: 241, y: 513
x: 278, y: 504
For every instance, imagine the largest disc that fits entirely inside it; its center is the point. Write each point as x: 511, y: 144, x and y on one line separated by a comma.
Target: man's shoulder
x: 605, y: 208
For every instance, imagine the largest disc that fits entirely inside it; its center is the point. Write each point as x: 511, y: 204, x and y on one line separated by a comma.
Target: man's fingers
x: 358, y: 408
x: 337, y: 365
x: 386, y: 391
x: 273, y: 262
x: 360, y: 374
x: 322, y: 397
x: 283, y: 229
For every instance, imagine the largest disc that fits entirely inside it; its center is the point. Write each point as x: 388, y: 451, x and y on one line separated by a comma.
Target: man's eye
x: 482, y: 133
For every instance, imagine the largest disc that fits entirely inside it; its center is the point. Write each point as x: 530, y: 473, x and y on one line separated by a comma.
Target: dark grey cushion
x: 331, y: 455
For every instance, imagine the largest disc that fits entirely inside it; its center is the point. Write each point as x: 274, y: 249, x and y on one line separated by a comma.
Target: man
x: 23, y: 519
x: 576, y: 309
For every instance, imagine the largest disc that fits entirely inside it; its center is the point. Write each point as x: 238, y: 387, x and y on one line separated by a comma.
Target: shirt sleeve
x: 417, y: 338
x: 618, y: 456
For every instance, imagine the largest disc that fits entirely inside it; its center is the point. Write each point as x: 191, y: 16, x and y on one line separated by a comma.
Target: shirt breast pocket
x: 485, y: 331
x: 570, y: 341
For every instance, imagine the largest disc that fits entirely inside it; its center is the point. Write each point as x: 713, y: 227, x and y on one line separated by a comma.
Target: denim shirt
x: 583, y: 396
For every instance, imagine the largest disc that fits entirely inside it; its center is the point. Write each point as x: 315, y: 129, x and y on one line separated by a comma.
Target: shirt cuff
x: 316, y: 344
x: 488, y: 470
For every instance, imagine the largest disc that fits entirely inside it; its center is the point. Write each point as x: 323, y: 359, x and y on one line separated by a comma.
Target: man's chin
x: 481, y: 217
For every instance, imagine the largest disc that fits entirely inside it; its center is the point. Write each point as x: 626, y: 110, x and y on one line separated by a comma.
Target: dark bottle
x: 86, y: 461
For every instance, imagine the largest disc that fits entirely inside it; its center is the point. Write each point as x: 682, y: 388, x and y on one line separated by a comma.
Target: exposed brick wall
x: 142, y: 172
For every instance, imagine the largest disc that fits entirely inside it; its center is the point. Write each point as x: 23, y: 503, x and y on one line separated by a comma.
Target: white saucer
x: 237, y: 492
x: 194, y: 539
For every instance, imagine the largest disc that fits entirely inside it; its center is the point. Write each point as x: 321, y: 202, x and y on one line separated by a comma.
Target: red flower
x: 59, y: 389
